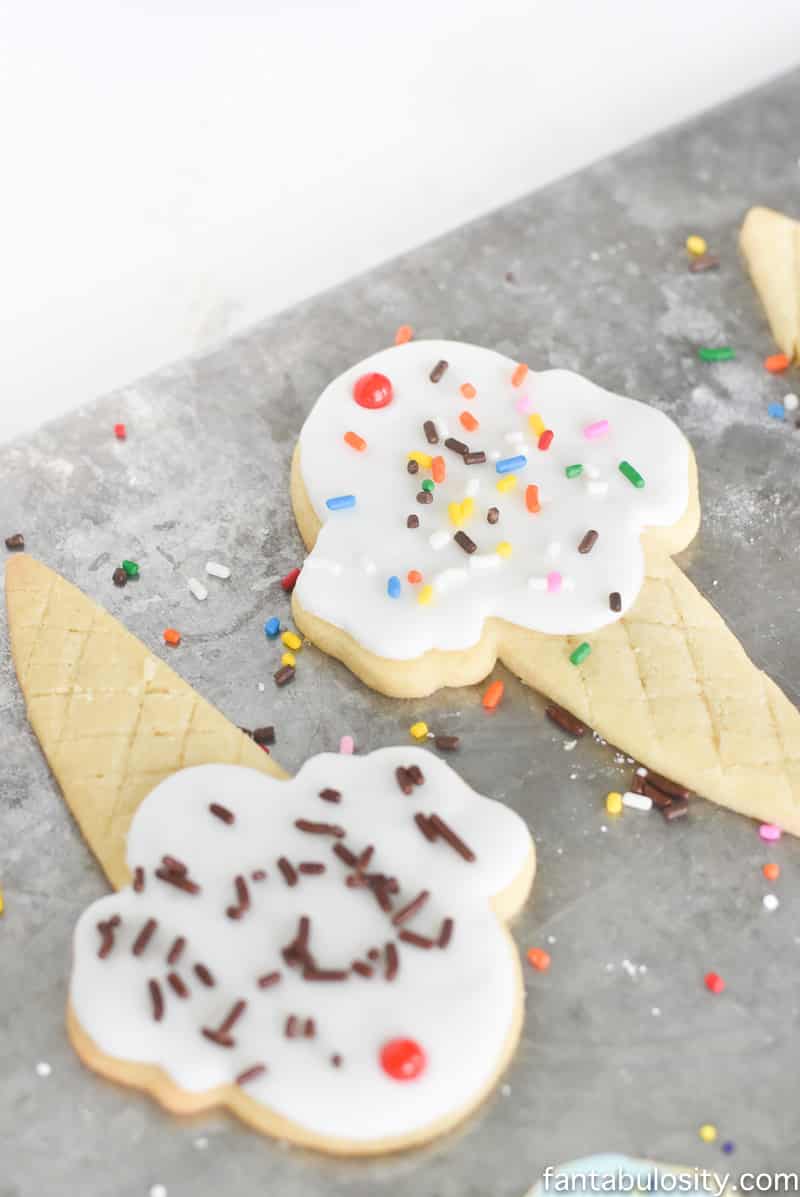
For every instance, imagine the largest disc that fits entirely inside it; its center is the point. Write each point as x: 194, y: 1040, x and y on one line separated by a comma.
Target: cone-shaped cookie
x: 770, y: 243
x: 112, y: 719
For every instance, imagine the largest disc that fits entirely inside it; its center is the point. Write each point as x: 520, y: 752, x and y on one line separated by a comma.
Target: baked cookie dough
x: 770, y: 243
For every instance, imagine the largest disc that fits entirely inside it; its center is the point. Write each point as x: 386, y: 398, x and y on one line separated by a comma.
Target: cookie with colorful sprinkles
x: 539, y: 532
x: 348, y: 984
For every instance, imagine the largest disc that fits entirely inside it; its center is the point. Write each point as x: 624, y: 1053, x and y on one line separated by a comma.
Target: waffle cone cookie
x: 770, y: 243
x: 666, y: 682
x: 112, y: 719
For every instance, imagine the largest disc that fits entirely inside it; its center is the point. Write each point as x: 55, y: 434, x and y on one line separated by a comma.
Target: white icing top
x: 544, y: 584
x: 456, y: 1002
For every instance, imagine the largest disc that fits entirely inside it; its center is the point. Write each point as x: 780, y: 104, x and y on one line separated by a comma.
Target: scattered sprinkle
x: 633, y: 475
x: 288, y: 583
x: 172, y: 636
x: 791, y: 402
x: 414, y: 576
x: 289, y: 659
x: 340, y: 502
x: 158, y: 1191
x: 772, y: 871
x: 119, y: 577
x: 506, y: 465
x: 615, y: 601
x: 637, y: 801
x: 468, y: 390
x: 770, y: 902
x: 43, y: 1068
x: 770, y: 833
x: 614, y: 803
x: 537, y: 423
x: 347, y: 745
x: 419, y: 730
x: 714, y: 982
x: 17, y: 541
x: 776, y: 410
x: 539, y: 958
x: 120, y: 432
x: 438, y: 370
x: 284, y: 675
x: 504, y: 549
x: 447, y: 743
x: 292, y: 641
x: 492, y: 695
x: 532, y: 499
x: 507, y: 483
x: 468, y: 421
x: 546, y: 439
x: 708, y: 1133
x: 696, y: 245
x: 579, y: 654
x: 574, y: 471
x: 272, y: 627
x: 776, y: 363
x: 195, y: 587
x: 703, y: 262
x: 355, y: 441
x: 728, y: 1147
x: 216, y: 570
x: 519, y: 375
x: 394, y: 587
x: 404, y: 334
x: 723, y: 354
x: 598, y: 429
x: 131, y: 568
x: 425, y: 595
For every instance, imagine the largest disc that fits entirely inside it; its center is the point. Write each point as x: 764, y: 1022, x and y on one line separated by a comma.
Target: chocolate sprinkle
x: 310, y: 1029
x: 119, y: 577
x: 411, y: 908
x: 329, y: 795
x: 419, y: 941
x: 615, y: 601
x: 673, y: 788
x: 374, y: 954
x: 106, y: 930
x: 416, y: 774
x: 346, y: 855
x: 250, y: 1074
x: 363, y: 970
x: 259, y: 875
x: 234, y: 1014
x: 637, y: 784
x: 438, y: 370
x: 291, y: 1027
x: 445, y: 933
x: 289, y: 875
x: 404, y: 779
x: 312, y: 828
x: 565, y: 720
x: 157, y: 999
x: 457, y: 446
x: 138, y: 879
x: 324, y: 974
x: 424, y: 496
x: 284, y: 675
x: 412, y: 521
x: 173, y: 956
x: 203, y: 974
x: 446, y: 832
x: 242, y: 897
x: 492, y: 515
x: 447, y: 743
x: 431, y: 435
x: 218, y: 1037
x: 17, y: 541
x: 478, y: 457
x: 465, y: 542
x: 589, y: 541
x: 222, y: 812
x: 264, y: 735
x: 336, y: 1060
x: 178, y: 880
x: 268, y: 980
x: 174, y: 865
x: 702, y: 263
x: 311, y: 868
x: 676, y: 809
x: 392, y: 962
x: 658, y: 797
x: 144, y: 937
x: 413, y: 467
x: 178, y: 985
x: 424, y: 824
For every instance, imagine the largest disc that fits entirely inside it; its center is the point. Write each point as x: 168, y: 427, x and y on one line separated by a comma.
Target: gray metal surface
x: 588, y: 274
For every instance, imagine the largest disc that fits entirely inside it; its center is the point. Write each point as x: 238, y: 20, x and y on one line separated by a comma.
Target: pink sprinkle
x: 523, y: 404
x: 592, y: 431
x: 554, y: 582
x: 769, y: 832
x: 347, y: 745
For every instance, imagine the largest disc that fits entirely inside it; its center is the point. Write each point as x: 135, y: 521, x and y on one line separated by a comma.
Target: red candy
x: 402, y: 1059
x: 288, y: 582
x: 120, y: 432
x: 714, y: 982
x: 373, y: 391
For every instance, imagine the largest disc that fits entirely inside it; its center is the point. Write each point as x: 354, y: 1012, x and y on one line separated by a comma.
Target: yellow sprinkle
x: 614, y: 803
x: 504, y: 548
x: 536, y: 422
x: 419, y: 730
x: 2, y: 903
x: 696, y: 245
x: 507, y: 483
x: 292, y: 640
x: 467, y: 507
x: 425, y: 595
x: 422, y: 459
x: 289, y: 659
x: 708, y: 1133
x: 454, y: 510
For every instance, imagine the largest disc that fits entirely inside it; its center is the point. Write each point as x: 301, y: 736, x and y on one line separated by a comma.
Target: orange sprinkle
x: 404, y: 334
x: 438, y: 469
x: 519, y: 375
x: 414, y: 575
x: 772, y: 872
x: 355, y: 441
x: 776, y: 363
x: 468, y: 390
x: 539, y: 958
x: 492, y: 695
x: 469, y: 421
x: 532, y: 499
x: 171, y: 636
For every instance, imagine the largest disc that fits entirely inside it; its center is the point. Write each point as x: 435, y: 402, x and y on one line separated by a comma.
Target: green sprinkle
x: 428, y: 485
x: 574, y: 471
x: 131, y: 568
x: 633, y: 476
x: 723, y: 354
x: 580, y: 653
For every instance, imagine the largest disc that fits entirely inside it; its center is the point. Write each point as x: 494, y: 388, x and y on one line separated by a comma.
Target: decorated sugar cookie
x: 325, y: 956
x: 459, y: 507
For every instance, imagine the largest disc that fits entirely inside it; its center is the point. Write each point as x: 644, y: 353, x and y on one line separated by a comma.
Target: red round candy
x: 714, y: 982
x: 373, y: 391
x: 403, y: 1059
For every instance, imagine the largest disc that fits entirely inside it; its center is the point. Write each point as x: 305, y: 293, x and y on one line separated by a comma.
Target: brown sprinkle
x: 412, y: 521
x: 234, y: 1014
x: 119, y: 577
x: 269, y: 979
x: 144, y: 937
x: 242, y: 897
x: 431, y: 435
x: 404, y: 779
x: 174, y: 865
x: 457, y: 446
x: 615, y: 601
x: 222, y: 812
x: 250, y: 1074
x: 157, y: 998
x: 312, y: 828
x: 411, y: 908
x: 413, y: 467
x: 288, y: 872
x: 324, y: 974
x: 284, y: 675
x: 478, y: 457
x: 438, y: 370
x: 178, y: 880
x: 447, y: 743
x: 311, y: 868
x: 702, y: 263
x: 374, y: 954
x: 218, y: 1037
x: 424, y: 824
x: 203, y: 974
x: 174, y: 954
x: 565, y: 720
x: 677, y: 808
x: 336, y: 1060
x: 363, y: 969
x: 465, y: 542
x: 259, y: 875
x: 17, y: 541
x: 178, y: 985
x: 392, y: 962
x: 106, y: 930
x: 346, y: 855
x: 446, y: 832
x: 138, y: 879
x: 492, y: 515
x: 329, y: 795
x: 291, y: 1027
x: 309, y: 1029
x: 419, y: 941
x: 264, y: 735
x: 424, y: 496
x: 637, y: 783
x: 445, y: 933
x: 416, y: 774
x: 366, y: 856
x: 672, y: 788
x: 589, y: 541
x: 658, y: 797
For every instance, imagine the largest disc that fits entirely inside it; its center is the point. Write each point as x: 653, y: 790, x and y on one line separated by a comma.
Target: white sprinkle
x: 201, y: 1143
x: 551, y: 939
x: 197, y: 589
x: 553, y: 549
x: 637, y: 801
x: 261, y: 687
x: 505, y: 1090
x: 473, y: 486
x: 656, y: 1011
x: 441, y: 428
x: 514, y: 438
x: 569, y: 745
x: 43, y: 1068
x: 641, y: 771
x: 630, y: 967
x: 484, y: 560
x: 603, y: 827
x: 216, y: 570
x: 770, y: 902
x: 448, y: 578
x: 537, y: 583
x: 597, y: 488
x: 158, y: 1191
x: 790, y: 402
x: 438, y: 540
x: 368, y: 565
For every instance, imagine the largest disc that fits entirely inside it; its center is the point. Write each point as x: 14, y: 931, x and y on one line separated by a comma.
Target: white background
x: 171, y: 172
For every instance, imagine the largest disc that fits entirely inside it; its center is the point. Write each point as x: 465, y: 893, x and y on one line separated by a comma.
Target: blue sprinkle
x: 393, y: 587
x: 339, y: 502
x: 776, y: 410
x: 728, y: 1147
x: 507, y: 464
x: 272, y: 627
